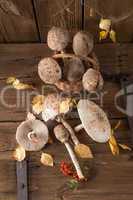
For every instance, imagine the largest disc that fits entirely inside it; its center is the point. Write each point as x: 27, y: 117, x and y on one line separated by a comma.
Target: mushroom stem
x: 75, y: 161
x: 71, y: 131
x: 78, y: 127
x: 88, y: 59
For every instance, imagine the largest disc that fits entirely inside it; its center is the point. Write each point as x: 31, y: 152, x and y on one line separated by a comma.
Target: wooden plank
x: 64, y: 13
x: 22, y: 180
x: 121, y: 17
x: 17, y: 23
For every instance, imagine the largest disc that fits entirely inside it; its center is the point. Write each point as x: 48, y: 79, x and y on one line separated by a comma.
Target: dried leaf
x: 125, y: 147
x: 117, y: 125
x: 17, y: 84
x: 113, y: 35
x: 83, y: 151
x: 65, y: 106
x: 10, y: 80
x: 19, y: 154
x: 30, y: 116
x: 73, y: 184
x: 103, y: 35
x: 47, y: 159
x: 105, y: 24
x: 37, y: 103
x: 113, y: 145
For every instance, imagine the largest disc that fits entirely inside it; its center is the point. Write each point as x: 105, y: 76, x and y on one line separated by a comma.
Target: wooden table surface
x: 111, y: 178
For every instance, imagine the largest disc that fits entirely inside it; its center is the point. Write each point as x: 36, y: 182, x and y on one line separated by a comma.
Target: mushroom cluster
x: 71, y: 72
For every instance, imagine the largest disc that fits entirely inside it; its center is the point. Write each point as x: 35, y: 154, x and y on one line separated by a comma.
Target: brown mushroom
x: 49, y: 70
x: 32, y: 135
x: 74, y: 69
x: 62, y: 135
x: 69, y: 87
x: 58, y: 38
x: 92, y: 80
x: 83, y: 43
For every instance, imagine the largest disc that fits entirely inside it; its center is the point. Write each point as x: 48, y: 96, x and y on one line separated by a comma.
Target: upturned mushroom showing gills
x: 49, y: 70
x: 32, y: 135
x: 58, y: 38
x: 94, y: 121
x: 83, y: 43
x: 92, y: 80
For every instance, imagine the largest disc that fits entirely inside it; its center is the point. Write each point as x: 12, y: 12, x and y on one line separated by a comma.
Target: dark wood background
x: 27, y: 23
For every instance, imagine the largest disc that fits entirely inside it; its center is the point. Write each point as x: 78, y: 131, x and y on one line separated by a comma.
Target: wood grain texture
x: 121, y: 15
x: 64, y: 13
x: 17, y: 23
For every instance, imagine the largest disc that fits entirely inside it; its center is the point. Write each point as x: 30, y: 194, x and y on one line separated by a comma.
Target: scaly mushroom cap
x: 92, y: 80
x: 94, y: 121
x: 52, y: 107
x: 83, y: 43
x: 58, y: 38
x: 49, y: 70
x: 61, y: 133
x: 32, y: 126
x: 75, y: 70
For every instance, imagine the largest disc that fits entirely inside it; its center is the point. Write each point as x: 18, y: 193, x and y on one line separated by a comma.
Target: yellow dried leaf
x: 113, y: 35
x: 19, y: 154
x: 113, y: 145
x: 10, y: 80
x: 103, y: 35
x: 125, y: 147
x: 83, y: 151
x: 65, y: 106
x: 47, y: 159
x: 17, y: 84
x: 105, y: 24
x: 37, y: 103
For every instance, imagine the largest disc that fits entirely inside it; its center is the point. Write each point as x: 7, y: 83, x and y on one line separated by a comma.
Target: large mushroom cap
x: 94, y: 121
x: 49, y: 70
x: 58, y: 38
x: 92, y: 80
x: 38, y: 128
x: 52, y: 106
x: 83, y: 43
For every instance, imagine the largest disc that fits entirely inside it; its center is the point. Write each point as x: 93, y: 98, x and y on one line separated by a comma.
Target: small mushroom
x: 83, y: 43
x: 62, y: 135
x: 92, y: 80
x: 32, y: 135
x: 58, y: 38
x: 75, y: 69
x: 94, y: 121
x: 49, y: 70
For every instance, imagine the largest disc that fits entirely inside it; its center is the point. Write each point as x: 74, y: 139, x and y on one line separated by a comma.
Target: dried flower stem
x: 78, y: 127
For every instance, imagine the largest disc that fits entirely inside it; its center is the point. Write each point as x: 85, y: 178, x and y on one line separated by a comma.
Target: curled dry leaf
x: 37, y: 103
x: 19, y: 154
x: 47, y: 159
x: 65, y: 105
x: 103, y: 35
x: 113, y: 145
x: 17, y: 84
x: 112, y: 35
x: 125, y: 147
x: 83, y: 151
x: 105, y: 24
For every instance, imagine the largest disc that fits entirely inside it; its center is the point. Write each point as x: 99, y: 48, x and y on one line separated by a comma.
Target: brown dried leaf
x: 19, y: 154
x: 83, y: 151
x: 47, y: 159
x: 113, y: 145
x: 125, y: 147
x: 37, y: 103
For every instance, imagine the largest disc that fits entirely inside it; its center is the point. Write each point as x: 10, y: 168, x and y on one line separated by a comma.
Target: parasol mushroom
x: 83, y: 43
x: 32, y: 135
x: 58, y: 38
x: 92, y: 80
x: 49, y: 70
x: 94, y: 121
x: 62, y: 135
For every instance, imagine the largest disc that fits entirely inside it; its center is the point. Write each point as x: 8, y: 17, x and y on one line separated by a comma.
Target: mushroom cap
x: 94, y: 121
x: 61, y: 133
x: 51, y: 106
x: 39, y: 128
x: 92, y: 80
x: 49, y: 70
x: 58, y: 38
x: 75, y: 69
x: 83, y: 43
